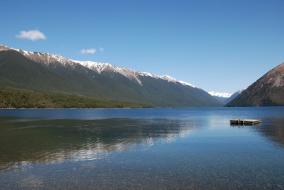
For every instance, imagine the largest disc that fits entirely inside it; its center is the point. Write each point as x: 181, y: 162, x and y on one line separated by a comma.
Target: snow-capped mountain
x: 224, y: 97
x: 220, y: 94
x: 49, y: 72
x: 47, y: 58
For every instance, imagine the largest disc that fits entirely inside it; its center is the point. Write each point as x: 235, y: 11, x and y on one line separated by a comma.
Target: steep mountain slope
x: 266, y: 91
x: 52, y: 73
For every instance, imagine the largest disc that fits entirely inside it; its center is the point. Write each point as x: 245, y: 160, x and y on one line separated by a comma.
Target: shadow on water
x: 24, y: 141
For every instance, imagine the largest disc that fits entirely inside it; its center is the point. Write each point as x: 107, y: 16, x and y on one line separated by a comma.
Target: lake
x: 195, y: 148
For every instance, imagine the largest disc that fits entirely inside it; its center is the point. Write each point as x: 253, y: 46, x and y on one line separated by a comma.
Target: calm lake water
x: 151, y: 149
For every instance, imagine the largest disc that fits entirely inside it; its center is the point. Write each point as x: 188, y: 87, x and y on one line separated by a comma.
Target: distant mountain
x: 221, y: 100
x: 221, y: 97
x: 233, y: 96
x: 48, y: 73
x: 266, y: 91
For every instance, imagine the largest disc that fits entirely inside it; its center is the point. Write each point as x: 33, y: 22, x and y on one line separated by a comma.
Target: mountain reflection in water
x: 50, y: 141
x: 273, y: 129
x: 190, y: 148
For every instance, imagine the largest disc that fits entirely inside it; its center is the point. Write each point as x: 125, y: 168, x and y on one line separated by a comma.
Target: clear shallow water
x: 141, y: 149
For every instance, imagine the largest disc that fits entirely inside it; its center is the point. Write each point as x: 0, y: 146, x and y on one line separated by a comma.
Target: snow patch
x: 220, y: 94
x: 186, y: 84
x: 146, y: 74
x: 101, y: 67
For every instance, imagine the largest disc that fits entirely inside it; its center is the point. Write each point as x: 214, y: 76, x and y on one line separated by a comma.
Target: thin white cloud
x: 101, y: 49
x: 90, y: 51
x: 220, y: 94
x: 32, y: 35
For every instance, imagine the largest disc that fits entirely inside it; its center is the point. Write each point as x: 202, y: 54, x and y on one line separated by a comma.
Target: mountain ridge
x: 47, y: 58
x: 266, y: 91
x: 52, y: 73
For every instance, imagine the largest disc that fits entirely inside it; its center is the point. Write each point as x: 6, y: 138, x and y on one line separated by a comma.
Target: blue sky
x: 220, y: 45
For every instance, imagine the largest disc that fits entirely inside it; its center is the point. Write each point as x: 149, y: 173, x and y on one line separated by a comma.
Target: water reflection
x: 144, y: 151
x: 23, y: 142
x: 273, y: 129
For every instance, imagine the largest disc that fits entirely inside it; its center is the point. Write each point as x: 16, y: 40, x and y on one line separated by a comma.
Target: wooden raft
x: 244, y: 121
